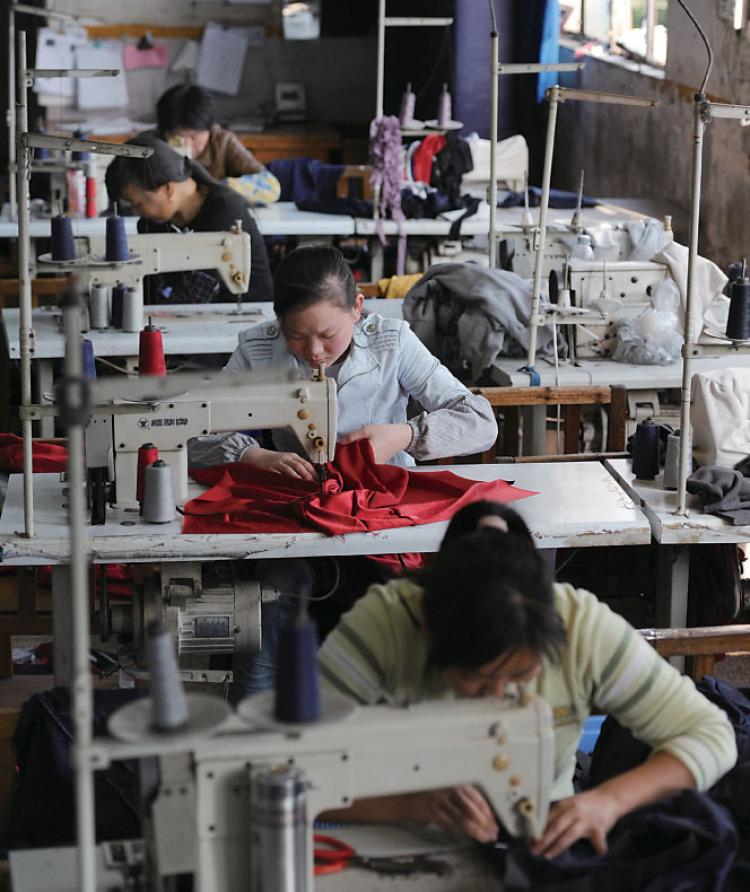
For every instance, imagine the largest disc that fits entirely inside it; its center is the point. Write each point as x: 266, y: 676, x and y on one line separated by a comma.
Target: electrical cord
x: 703, y: 37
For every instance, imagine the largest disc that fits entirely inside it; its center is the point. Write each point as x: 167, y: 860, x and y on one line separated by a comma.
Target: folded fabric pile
x: 725, y: 492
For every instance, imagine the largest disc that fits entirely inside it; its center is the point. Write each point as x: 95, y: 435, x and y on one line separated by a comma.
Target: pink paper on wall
x: 156, y: 57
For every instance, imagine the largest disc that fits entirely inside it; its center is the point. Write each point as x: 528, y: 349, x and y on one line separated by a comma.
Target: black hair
x: 311, y: 274
x: 467, y: 520
x: 489, y: 593
x: 185, y: 106
x: 164, y: 166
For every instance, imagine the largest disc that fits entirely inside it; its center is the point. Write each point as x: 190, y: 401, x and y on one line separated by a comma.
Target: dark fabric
x: 46, y: 457
x: 715, y: 586
x: 221, y: 209
x: 725, y: 492
x: 351, y: 207
x: 42, y: 808
x: 451, y: 163
x: 558, y: 198
x: 685, y: 844
x: 358, y: 496
x: 305, y: 179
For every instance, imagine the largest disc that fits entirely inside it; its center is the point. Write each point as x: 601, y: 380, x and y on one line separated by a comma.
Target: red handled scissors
x: 335, y: 857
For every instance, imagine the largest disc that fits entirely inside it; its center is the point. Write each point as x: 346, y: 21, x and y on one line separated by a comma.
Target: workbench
x: 673, y: 535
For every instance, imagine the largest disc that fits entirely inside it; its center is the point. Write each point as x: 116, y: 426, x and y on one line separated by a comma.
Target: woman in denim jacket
x: 378, y: 364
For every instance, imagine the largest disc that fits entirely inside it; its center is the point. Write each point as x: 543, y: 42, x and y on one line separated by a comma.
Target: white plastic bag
x: 652, y: 337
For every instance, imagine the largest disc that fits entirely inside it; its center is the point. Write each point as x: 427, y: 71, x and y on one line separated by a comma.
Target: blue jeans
x: 254, y: 672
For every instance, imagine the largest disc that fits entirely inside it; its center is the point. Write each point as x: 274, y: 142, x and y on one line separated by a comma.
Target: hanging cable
x: 703, y: 37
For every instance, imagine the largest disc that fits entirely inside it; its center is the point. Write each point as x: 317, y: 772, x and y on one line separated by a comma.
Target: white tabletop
x: 606, y: 372
x: 282, y: 218
x: 578, y: 504
x: 188, y: 329
x: 667, y: 527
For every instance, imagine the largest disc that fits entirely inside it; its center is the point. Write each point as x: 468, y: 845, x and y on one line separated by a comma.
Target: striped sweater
x: 378, y: 654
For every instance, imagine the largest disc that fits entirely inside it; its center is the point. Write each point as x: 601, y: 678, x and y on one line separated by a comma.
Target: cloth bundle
x: 358, y: 496
x: 725, y: 492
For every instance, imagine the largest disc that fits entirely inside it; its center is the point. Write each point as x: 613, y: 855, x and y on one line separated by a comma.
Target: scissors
x: 337, y: 855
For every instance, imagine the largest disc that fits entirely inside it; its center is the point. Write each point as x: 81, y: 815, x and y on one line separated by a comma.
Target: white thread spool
x: 169, y: 710
x: 445, y: 110
x: 408, y: 104
x: 158, y: 493
x: 132, y: 309
x: 672, y: 461
x: 99, y: 306
x: 563, y: 298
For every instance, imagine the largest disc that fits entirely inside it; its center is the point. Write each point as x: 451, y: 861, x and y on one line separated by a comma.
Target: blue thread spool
x: 80, y: 156
x: 118, y: 296
x: 297, y: 688
x: 89, y: 362
x: 63, y: 246
x: 117, y: 240
x: 738, y: 321
x: 646, y: 450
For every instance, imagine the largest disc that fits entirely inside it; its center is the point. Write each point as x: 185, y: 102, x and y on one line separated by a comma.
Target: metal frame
x: 703, y: 112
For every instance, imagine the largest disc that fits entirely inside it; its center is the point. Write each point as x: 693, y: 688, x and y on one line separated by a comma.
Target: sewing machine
x: 171, y: 410
x: 200, y: 821
x: 226, y: 252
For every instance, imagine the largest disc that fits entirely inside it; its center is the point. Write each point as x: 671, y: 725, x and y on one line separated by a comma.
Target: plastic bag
x: 652, y: 337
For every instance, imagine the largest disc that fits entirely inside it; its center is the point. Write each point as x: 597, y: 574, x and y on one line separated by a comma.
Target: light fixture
x: 738, y: 15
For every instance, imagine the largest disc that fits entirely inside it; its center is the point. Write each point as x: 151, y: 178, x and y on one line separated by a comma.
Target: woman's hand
x: 590, y: 815
x: 453, y: 808
x: 289, y: 464
x: 386, y: 439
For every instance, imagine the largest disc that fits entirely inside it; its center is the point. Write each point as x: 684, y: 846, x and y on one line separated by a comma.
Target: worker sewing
x: 487, y: 620
x: 378, y: 364
x: 172, y: 193
x: 186, y: 120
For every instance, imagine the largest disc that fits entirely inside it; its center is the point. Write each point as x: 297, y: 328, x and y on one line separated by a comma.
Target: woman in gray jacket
x: 378, y: 364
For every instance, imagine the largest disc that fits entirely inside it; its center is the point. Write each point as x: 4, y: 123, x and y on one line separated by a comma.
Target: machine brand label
x: 148, y: 423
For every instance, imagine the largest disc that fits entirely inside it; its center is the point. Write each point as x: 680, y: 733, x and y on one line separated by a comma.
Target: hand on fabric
x: 453, y: 808
x: 287, y: 463
x: 590, y: 815
x: 386, y: 439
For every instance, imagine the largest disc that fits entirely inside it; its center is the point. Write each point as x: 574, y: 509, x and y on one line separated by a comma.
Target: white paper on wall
x: 102, y: 92
x: 222, y: 59
x: 55, y: 50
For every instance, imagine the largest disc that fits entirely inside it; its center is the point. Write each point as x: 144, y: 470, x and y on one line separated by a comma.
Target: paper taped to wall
x: 221, y: 59
x: 102, y: 92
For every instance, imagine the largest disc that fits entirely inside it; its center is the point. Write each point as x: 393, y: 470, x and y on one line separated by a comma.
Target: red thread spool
x: 147, y: 455
x: 90, y: 197
x: 151, y: 352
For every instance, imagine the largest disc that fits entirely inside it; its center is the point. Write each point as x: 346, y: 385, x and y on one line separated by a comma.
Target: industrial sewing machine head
x: 169, y: 411
x: 206, y: 821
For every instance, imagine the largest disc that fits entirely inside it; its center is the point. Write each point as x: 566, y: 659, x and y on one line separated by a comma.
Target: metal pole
x: 494, y: 78
x: 79, y: 589
x: 25, y: 331
x: 686, y: 433
x: 553, y: 96
x: 10, y: 115
x: 381, y: 59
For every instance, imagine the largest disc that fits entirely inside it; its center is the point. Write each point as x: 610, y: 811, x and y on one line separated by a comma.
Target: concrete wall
x: 647, y: 154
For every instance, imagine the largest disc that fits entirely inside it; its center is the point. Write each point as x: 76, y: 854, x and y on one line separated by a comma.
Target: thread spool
x: 99, y: 306
x: 738, y: 321
x: 147, y: 455
x: 89, y: 362
x: 117, y: 239
x: 564, y: 296
x: 646, y: 450
x: 169, y: 710
x: 132, y: 309
x: 158, y: 493
x: 445, y: 110
x: 91, y: 190
x: 408, y: 104
x: 78, y: 155
x: 297, y: 689
x: 117, y: 300
x: 151, y: 359
x: 279, y: 841
x: 63, y: 246
x: 672, y: 461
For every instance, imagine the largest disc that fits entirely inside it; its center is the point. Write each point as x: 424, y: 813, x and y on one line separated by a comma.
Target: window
x: 635, y: 28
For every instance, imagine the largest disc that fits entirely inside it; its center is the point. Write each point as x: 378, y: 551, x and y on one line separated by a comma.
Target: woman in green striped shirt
x: 487, y: 617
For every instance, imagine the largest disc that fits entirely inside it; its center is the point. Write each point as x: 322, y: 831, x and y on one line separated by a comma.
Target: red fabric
x: 421, y: 162
x: 47, y: 457
x: 358, y: 496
